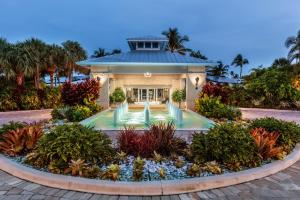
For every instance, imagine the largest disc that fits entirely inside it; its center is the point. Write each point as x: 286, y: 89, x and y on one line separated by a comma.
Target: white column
x: 139, y: 94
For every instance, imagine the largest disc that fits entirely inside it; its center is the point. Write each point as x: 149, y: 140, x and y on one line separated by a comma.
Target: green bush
x: 78, y: 113
x: 30, y: 100
x: 92, y: 105
x: 71, y: 142
x: 11, y: 126
x: 229, y: 144
x: 179, y: 96
x: 50, y: 98
x: 117, y: 96
x: 7, y: 102
x: 213, y: 108
x: 289, y: 131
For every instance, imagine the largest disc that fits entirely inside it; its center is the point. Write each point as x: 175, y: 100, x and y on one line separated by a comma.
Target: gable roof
x: 148, y: 38
x: 147, y: 58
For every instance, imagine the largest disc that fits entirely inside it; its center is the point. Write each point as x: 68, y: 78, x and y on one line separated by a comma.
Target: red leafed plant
x: 15, y: 142
x: 159, y: 138
x: 215, y: 90
x: 73, y: 94
x: 266, y: 143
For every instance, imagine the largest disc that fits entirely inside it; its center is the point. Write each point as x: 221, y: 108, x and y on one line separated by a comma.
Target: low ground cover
x: 154, y: 154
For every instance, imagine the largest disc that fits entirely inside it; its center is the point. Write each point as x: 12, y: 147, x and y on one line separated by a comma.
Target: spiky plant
x: 212, y: 167
x: 194, y: 170
x: 76, y: 167
x: 162, y: 173
x: 179, y: 163
x: 138, y: 167
x: 112, y: 172
x: 157, y: 157
x: 33, y: 134
x: 13, y: 142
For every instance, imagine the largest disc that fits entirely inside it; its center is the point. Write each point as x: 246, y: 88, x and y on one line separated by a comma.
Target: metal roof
x: 147, y: 58
x: 220, y: 79
x: 148, y: 38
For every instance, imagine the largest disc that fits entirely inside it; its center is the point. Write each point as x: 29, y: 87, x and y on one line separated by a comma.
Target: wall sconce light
x: 98, y: 78
x: 197, y: 82
x: 147, y: 74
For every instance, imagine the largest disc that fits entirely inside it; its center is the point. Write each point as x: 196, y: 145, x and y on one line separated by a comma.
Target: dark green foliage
x: 289, y: 131
x: 30, y: 101
x: 213, y: 108
x: 50, y: 97
x: 117, y: 96
x: 11, y: 126
x: 78, y: 113
x: 228, y: 144
x: 72, y: 142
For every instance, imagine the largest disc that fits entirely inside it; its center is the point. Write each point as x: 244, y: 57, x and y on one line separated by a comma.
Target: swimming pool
x: 135, y: 118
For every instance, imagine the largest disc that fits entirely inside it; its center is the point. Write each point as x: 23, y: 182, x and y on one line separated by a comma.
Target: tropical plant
x: 76, y: 167
x: 266, y: 143
x: 29, y: 100
x: 73, y: 94
x: 78, y: 113
x: 74, y: 53
x: 289, y: 132
x: 229, y: 144
x: 281, y: 62
x: 219, y: 70
x: 11, y: 126
x: 112, y: 172
x: 212, y: 167
x: 138, y: 167
x: 198, y: 54
x: 240, y: 61
x: 176, y: 41
x: 216, y: 90
x: 100, y: 52
x: 293, y: 43
x: 194, y: 170
x: 72, y: 142
x: 16, y: 142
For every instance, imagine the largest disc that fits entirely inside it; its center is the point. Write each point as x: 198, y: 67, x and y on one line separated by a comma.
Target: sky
x: 219, y: 29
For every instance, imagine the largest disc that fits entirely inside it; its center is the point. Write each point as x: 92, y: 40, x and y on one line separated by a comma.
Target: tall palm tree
x: 240, y: 61
x: 74, y: 53
x: 219, y: 70
x: 36, y: 50
x: 176, y: 41
x: 3, y: 47
x: 294, y: 44
x: 116, y: 51
x: 16, y: 64
x: 56, y: 58
x: 198, y: 54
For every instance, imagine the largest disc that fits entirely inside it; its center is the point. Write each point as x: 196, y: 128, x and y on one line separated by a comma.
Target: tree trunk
x: 241, y: 70
x: 51, y: 71
x: 20, y: 80
x: 37, y: 77
x: 70, y: 74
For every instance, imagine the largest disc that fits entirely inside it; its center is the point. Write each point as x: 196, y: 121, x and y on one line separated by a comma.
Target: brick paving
x: 283, y: 185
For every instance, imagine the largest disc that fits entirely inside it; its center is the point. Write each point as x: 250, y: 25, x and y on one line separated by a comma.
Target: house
x: 148, y: 72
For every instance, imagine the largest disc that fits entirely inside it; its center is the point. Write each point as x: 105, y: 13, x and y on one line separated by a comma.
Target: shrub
x: 50, y: 97
x: 228, y: 144
x: 7, y: 102
x: 73, y: 94
x: 30, y: 100
x: 159, y: 138
x: 289, y: 131
x: 71, y: 142
x: 213, y: 108
x: 179, y: 96
x: 16, y: 142
x: 78, y: 113
x: 11, y: 126
x: 92, y: 105
x: 216, y: 90
x: 266, y: 143
x: 59, y: 113
x: 117, y: 96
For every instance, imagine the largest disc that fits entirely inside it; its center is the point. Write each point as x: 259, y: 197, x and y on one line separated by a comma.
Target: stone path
x: 283, y: 185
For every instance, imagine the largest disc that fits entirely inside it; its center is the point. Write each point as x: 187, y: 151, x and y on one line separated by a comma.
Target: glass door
x: 151, y: 95
x: 143, y: 94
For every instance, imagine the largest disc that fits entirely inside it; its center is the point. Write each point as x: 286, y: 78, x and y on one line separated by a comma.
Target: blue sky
x: 219, y: 29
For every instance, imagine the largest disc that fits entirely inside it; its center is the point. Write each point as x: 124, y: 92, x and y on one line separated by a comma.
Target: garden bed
x: 162, y: 187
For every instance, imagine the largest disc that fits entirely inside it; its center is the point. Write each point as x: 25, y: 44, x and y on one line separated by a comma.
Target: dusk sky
x: 219, y: 29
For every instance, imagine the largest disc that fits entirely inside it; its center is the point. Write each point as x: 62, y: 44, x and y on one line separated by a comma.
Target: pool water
x: 135, y: 118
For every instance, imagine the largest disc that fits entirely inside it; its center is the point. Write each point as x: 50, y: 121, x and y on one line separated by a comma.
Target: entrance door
x: 151, y: 94
x: 143, y: 96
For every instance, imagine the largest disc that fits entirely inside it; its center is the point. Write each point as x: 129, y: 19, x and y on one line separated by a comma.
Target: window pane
x: 155, y: 45
x: 141, y: 45
x: 148, y: 45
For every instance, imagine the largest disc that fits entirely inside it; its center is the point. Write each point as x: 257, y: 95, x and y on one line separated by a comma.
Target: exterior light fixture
x: 147, y: 74
x: 98, y: 78
x: 197, y: 82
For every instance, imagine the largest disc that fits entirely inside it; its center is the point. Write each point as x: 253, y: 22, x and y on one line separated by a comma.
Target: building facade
x: 148, y: 72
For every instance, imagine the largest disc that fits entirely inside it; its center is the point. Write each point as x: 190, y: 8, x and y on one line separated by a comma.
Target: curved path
x: 283, y: 185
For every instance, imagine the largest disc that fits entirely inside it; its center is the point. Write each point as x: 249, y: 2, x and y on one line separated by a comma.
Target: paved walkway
x: 283, y: 185
x: 25, y: 116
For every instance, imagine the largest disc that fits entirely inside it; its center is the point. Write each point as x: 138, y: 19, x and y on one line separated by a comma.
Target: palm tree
x: 234, y: 75
x: 176, y: 41
x: 294, y: 44
x: 3, y: 47
x: 219, y: 70
x: 198, y: 54
x: 116, y: 51
x: 56, y: 58
x: 16, y: 64
x: 36, y: 50
x: 239, y: 61
x: 74, y: 53
x: 281, y: 62
x: 100, y: 52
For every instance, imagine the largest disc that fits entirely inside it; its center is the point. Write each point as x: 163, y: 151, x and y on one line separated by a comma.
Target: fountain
x: 175, y: 112
x: 119, y: 112
x: 147, y: 113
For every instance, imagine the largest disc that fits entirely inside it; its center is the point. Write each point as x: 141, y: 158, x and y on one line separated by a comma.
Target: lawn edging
x: 166, y: 187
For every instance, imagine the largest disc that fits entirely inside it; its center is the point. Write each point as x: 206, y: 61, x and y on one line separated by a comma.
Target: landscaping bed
x: 155, y: 154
